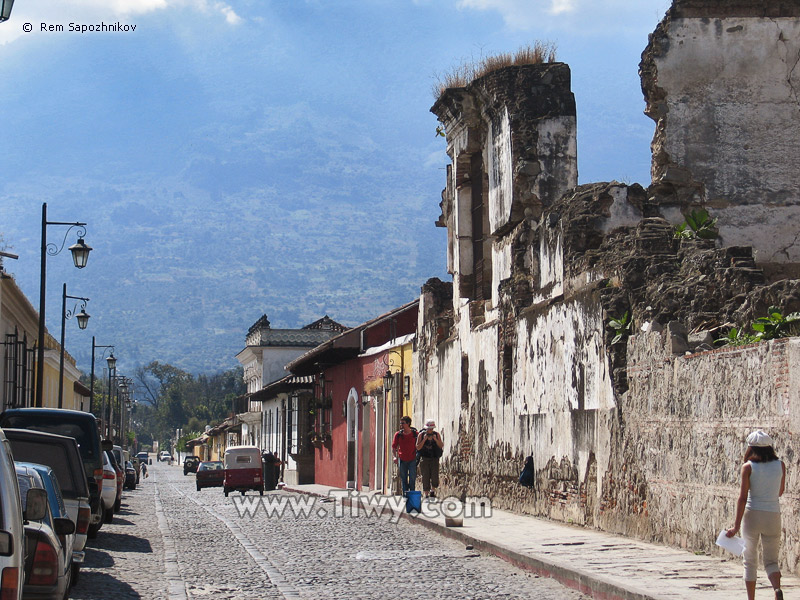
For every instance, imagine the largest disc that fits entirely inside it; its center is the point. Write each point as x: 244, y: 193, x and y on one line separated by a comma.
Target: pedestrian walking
x: 758, y: 511
x: 404, y: 449
x: 429, y: 447
x: 143, y: 467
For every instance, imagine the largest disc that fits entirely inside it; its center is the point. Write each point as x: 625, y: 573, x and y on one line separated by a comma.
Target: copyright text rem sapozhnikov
x: 93, y: 28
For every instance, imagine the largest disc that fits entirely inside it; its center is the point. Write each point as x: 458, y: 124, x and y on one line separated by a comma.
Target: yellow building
x: 19, y: 326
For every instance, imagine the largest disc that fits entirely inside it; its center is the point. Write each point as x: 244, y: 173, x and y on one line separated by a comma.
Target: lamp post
x: 83, y: 320
x: 124, y: 388
x: 80, y: 255
x: 5, y: 9
x: 112, y: 362
x: 112, y: 369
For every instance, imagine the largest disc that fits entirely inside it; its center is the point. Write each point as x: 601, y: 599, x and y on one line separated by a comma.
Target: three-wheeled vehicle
x: 243, y: 470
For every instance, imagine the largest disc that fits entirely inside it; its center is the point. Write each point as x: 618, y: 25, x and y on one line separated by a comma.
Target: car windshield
x: 55, y: 456
x: 211, y: 466
x: 59, y: 424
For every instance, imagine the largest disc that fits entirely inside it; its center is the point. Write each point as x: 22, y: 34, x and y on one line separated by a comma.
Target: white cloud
x: 561, y: 6
x: 538, y: 14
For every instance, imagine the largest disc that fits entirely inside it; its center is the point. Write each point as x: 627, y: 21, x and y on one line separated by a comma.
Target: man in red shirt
x: 404, y: 448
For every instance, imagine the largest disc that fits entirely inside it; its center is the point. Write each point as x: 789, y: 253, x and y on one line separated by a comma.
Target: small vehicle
x: 71, y: 423
x: 12, y: 558
x: 144, y: 458
x: 61, y: 454
x: 130, y: 476
x: 120, y: 480
x: 48, y: 540
x: 164, y: 456
x: 210, y: 474
x: 190, y: 464
x: 243, y: 470
x: 108, y: 494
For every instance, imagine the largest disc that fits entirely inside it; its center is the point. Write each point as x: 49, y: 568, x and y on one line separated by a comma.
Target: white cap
x: 759, y: 438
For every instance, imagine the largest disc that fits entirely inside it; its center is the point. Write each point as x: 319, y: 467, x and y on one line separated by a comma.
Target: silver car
x: 11, y: 532
x: 48, y: 575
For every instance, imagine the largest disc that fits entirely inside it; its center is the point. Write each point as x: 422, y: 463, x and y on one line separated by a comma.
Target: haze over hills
x: 180, y: 280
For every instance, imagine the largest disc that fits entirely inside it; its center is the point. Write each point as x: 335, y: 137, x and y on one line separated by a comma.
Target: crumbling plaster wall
x: 686, y: 419
x: 721, y: 80
x: 616, y: 432
x: 528, y: 150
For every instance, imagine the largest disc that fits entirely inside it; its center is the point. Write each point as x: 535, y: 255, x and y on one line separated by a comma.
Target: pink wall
x: 330, y: 461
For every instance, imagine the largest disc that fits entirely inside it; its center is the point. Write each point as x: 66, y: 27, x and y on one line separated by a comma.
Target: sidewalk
x: 599, y: 564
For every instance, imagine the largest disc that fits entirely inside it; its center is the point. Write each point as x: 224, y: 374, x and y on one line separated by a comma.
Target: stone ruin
x: 515, y: 358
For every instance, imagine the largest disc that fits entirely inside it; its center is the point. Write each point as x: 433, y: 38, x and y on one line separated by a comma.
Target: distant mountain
x: 178, y: 274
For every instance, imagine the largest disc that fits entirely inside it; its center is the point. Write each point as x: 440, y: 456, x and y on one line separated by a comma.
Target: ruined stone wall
x: 686, y: 418
x: 558, y: 408
x: 635, y: 438
x: 721, y: 81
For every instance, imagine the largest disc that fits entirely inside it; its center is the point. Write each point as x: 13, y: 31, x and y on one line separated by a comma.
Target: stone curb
x: 593, y: 585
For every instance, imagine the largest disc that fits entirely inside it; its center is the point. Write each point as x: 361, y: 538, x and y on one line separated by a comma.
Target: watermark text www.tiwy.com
x: 349, y: 503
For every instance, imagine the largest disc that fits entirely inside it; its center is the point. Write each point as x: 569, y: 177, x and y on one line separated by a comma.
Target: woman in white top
x: 758, y: 510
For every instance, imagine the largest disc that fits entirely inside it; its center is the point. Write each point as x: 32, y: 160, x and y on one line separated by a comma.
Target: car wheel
x: 76, y: 571
x: 108, y: 515
x: 117, y: 505
x: 199, y: 488
x: 226, y: 493
x: 261, y: 492
x: 243, y: 492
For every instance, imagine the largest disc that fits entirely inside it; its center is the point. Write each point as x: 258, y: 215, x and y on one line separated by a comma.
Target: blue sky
x: 214, y: 121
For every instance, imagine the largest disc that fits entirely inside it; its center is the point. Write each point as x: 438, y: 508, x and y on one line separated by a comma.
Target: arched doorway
x: 352, y: 437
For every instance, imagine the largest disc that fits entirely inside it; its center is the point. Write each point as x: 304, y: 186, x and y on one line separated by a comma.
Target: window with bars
x: 18, y: 371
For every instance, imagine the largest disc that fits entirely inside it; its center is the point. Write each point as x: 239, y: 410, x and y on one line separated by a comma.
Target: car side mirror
x: 6, y: 543
x: 63, y: 526
x: 35, y: 505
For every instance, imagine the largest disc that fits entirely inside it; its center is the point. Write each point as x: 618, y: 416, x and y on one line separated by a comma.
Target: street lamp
x: 112, y: 363
x: 124, y: 401
x: 80, y: 255
x: 83, y: 321
x: 5, y: 9
x: 388, y: 380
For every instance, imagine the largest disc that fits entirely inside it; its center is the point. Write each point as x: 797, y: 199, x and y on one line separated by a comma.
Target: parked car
x: 121, y: 456
x: 120, y: 480
x: 109, y: 492
x: 11, y: 530
x: 61, y: 454
x: 48, y: 539
x: 190, y: 464
x: 71, y: 423
x: 243, y: 470
x: 210, y: 474
x: 130, y: 476
x: 164, y: 456
x: 144, y: 457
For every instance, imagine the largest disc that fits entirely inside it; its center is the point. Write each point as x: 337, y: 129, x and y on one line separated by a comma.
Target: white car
x: 108, y: 495
x: 163, y: 456
x: 11, y: 534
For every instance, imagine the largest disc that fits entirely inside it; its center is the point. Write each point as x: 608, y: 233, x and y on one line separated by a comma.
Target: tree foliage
x: 174, y: 399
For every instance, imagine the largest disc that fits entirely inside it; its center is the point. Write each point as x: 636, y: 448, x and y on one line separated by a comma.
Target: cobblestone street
x: 172, y: 542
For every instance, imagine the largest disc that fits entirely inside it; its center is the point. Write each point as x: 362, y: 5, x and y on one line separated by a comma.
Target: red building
x: 346, y: 420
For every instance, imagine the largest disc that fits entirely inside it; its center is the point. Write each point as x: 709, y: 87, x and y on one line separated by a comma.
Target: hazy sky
x: 214, y: 108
